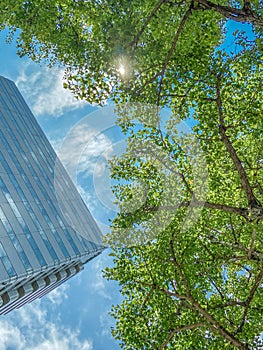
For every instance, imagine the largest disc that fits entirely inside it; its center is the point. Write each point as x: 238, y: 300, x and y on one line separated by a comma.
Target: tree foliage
x: 93, y: 39
x: 188, y: 239
x: 197, y: 282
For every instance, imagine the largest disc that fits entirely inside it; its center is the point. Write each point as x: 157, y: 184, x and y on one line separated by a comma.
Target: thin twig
x: 199, y: 204
x: 252, y: 243
x: 172, y: 48
x: 148, y: 19
x: 249, y: 299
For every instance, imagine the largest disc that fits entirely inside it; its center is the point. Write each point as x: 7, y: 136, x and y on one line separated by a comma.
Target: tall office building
x: 47, y: 233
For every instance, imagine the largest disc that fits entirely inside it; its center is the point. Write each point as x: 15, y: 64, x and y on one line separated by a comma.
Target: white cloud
x: 99, y: 284
x: 57, y: 296
x: 44, y: 90
x: 89, y: 199
x: 11, y: 336
x: 30, y: 329
x: 59, y: 339
x: 80, y: 149
x: 31, y: 313
x: 81, y: 152
x: 106, y: 322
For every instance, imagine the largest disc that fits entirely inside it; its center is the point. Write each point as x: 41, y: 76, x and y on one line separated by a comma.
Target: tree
x: 196, y: 281
x: 187, y: 242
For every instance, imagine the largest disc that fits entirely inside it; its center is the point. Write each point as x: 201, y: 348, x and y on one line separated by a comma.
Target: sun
x: 121, y: 69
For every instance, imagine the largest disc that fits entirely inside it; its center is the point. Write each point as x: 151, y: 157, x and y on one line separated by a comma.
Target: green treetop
x: 124, y: 48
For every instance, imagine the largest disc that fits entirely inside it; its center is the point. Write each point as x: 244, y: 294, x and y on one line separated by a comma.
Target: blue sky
x: 75, y: 315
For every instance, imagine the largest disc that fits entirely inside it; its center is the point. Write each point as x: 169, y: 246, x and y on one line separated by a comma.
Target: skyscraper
x: 47, y: 233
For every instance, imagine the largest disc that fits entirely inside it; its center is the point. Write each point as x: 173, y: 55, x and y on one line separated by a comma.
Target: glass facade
x: 45, y: 227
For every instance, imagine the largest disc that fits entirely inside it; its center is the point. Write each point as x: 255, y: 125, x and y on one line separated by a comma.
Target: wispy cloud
x: 80, y: 149
x: 59, y: 339
x: 106, y: 323
x: 99, y: 283
x: 89, y: 199
x: 11, y: 336
x: 44, y: 90
x: 59, y: 294
x: 29, y: 329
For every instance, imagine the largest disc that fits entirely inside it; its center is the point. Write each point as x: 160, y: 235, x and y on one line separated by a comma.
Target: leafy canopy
x: 124, y: 48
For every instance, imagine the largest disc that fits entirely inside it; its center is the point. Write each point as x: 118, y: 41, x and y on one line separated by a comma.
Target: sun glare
x: 121, y: 69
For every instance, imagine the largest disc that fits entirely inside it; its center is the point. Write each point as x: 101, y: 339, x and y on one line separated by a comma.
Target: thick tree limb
x: 245, y: 14
x: 252, y: 201
x: 216, y: 326
x: 180, y: 329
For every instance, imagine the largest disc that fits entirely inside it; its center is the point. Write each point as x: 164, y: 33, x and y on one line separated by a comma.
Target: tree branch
x: 196, y: 203
x: 180, y: 329
x: 252, y: 243
x: 230, y: 303
x: 217, y: 288
x: 218, y: 327
x: 148, y: 19
x: 249, y: 299
x: 170, y: 52
x: 252, y: 201
x: 176, y: 173
x: 147, y: 297
x: 178, y: 268
x: 245, y: 14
